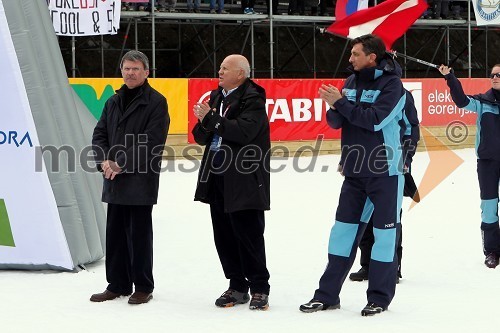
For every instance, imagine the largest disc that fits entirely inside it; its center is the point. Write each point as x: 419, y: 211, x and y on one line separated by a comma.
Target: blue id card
x: 216, y: 142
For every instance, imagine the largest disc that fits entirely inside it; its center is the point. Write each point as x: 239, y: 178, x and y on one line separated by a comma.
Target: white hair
x: 245, y: 66
x: 242, y: 62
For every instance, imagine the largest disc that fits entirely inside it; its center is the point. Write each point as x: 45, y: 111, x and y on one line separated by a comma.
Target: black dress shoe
x: 140, y: 297
x: 106, y: 295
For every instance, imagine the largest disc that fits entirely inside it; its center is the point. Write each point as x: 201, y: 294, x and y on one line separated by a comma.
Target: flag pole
x: 396, y: 54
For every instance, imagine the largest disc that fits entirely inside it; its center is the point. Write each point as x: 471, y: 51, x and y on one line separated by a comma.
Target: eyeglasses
x: 495, y: 75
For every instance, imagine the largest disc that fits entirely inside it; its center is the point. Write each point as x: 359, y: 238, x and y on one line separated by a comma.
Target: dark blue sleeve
x: 388, y: 104
x: 410, y: 141
x: 334, y: 119
x: 456, y: 90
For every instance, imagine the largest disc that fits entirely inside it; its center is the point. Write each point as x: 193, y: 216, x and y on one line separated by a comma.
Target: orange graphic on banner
x: 442, y: 162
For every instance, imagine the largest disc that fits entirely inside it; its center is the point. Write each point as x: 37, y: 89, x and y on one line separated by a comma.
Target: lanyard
x: 223, y: 114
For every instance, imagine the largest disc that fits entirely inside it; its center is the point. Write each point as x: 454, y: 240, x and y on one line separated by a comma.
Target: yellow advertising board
x: 95, y: 91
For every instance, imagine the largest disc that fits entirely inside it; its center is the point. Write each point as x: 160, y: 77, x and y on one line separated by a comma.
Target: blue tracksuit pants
x: 360, y: 198
x: 488, y: 172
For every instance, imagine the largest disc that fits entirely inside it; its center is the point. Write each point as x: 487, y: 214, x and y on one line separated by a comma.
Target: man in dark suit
x: 128, y: 142
x: 234, y: 179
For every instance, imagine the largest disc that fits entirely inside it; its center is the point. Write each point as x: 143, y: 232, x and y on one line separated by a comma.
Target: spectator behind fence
x: 134, y: 6
x: 193, y: 6
x: 220, y: 9
x: 167, y: 6
x: 456, y: 10
x: 247, y: 6
x: 440, y: 9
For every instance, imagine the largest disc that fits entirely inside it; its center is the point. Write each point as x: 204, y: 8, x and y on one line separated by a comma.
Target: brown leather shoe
x: 140, y: 297
x: 106, y: 295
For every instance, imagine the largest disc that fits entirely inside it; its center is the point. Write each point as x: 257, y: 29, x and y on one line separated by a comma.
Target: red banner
x: 297, y: 113
x: 294, y: 109
x: 438, y: 108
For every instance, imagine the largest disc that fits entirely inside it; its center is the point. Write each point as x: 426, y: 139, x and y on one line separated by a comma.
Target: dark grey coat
x: 135, y: 140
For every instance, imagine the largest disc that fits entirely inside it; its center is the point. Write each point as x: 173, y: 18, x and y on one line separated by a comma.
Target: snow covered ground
x: 445, y: 285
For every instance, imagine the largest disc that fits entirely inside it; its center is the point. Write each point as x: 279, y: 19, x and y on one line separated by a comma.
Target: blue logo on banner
x: 15, y: 138
x: 489, y: 10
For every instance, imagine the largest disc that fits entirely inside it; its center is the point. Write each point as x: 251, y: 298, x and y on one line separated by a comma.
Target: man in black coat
x: 234, y: 179
x: 128, y: 142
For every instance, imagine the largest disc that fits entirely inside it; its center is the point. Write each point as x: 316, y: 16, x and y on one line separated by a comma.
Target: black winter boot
x: 371, y: 309
x: 360, y: 275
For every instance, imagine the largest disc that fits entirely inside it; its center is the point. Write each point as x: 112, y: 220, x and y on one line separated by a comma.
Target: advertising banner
x: 438, y: 109
x: 85, y: 17
x: 297, y: 113
x: 95, y: 92
x: 294, y: 109
x: 30, y: 227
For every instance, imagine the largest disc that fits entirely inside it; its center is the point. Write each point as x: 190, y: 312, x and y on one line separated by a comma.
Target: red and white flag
x: 388, y: 20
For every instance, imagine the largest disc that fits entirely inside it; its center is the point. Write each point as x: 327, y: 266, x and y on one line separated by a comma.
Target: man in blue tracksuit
x: 410, y: 135
x: 369, y: 108
x: 487, y: 106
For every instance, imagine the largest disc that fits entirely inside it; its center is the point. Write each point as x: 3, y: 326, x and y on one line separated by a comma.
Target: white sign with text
x: 85, y: 17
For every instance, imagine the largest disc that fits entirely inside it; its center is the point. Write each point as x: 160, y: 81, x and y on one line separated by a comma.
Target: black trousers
x: 239, y: 240
x: 366, y: 244
x: 129, y: 248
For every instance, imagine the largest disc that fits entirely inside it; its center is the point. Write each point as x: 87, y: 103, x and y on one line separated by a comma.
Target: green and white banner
x: 30, y: 227
x: 6, y: 238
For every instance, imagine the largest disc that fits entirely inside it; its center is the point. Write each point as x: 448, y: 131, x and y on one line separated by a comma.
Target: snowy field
x: 445, y: 285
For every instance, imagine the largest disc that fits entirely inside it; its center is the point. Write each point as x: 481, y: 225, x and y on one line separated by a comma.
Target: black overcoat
x: 244, y: 129
x: 135, y: 139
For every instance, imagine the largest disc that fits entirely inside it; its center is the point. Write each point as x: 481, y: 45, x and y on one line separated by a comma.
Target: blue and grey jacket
x: 487, y: 106
x: 371, y: 115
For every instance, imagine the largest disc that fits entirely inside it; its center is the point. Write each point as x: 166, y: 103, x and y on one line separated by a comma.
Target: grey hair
x: 134, y: 55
